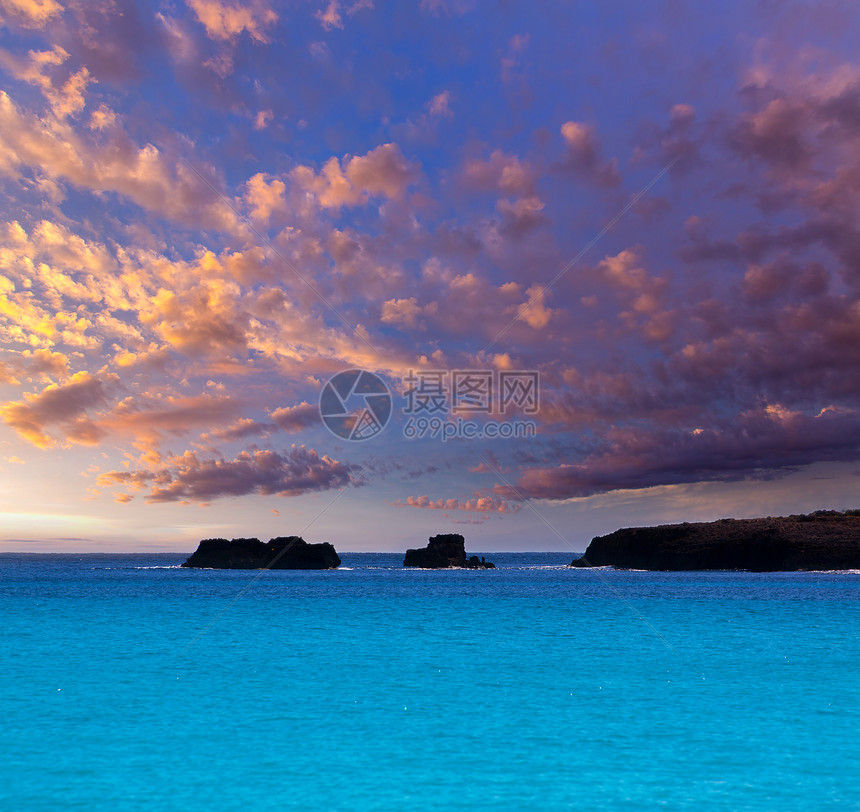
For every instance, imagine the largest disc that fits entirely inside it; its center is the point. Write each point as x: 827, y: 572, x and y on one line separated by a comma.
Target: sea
x: 129, y: 683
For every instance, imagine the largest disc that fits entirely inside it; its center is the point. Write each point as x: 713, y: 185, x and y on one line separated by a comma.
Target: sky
x: 211, y: 207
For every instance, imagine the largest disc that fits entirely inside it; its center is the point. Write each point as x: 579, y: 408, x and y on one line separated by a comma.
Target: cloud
x: 440, y: 105
x: 189, y: 477
x: 583, y: 156
x: 404, y: 312
x: 678, y: 142
x: 520, y: 215
x: 225, y: 20
x: 7, y: 374
x: 41, y: 364
x: 149, y: 418
x: 65, y: 91
x: 263, y: 119
x: 145, y: 174
x: 125, y: 261
x: 642, y: 293
x: 330, y: 17
x: 803, y: 126
x: 31, y: 13
x: 534, y: 312
x: 199, y: 320
x: 776, y: 135
x: 500, y: 172
x: 65, y: 405
x: 465, y: 304
x: 241, y: 429
x: 264, y: 196
x: 382, y: 172
x: 424, y: 127
x: 44, y: 363
x: 448, y: 7
x: 293, y: 419
x: 762, y: 443
x: 511, y: 61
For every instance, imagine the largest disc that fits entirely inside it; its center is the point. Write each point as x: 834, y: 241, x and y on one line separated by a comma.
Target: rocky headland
x: 824, y: 540
x: 283, y: 553
x: 443, y: 552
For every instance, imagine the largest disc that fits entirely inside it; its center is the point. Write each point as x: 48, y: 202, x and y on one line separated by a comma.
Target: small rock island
x: 823, y: 540
x: 282, y: 553
x: 443, y: 552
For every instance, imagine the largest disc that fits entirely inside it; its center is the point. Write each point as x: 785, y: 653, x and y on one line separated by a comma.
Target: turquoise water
x: 529, y: 687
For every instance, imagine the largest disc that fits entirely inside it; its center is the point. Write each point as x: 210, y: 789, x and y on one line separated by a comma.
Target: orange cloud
x: 64, y: 91
x: 31, y: 13
x: 7, y: 374
x: 143, y: 174
x: 382, y: 172
x: 65, y: 405
x: 401, y: 311
x: 264, y: 196
x: 199, y: 320
x: 225, y: 20
x: 148, y: 419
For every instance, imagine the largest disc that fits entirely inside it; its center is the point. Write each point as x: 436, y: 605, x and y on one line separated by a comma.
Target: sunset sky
x: 210, y: 207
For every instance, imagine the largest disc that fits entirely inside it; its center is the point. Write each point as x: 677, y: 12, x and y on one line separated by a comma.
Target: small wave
x: 825, y: 572
x: 380, y: 568
x: 159, y: 567
x: 538, y: 567
x: 604, y: 567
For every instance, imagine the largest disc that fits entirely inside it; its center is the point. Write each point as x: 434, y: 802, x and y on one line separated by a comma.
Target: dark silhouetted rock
x: 284, y: 553
x: 824, y: 540
x: 443, y: 551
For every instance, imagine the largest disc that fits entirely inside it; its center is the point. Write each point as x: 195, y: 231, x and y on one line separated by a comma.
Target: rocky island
x: 823, y: 540
x: 443, y: 552
x: 282, y: 553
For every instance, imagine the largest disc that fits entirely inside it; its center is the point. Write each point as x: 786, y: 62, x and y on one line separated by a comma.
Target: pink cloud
x: 143, y: 174
x: 330, y: 17
x: 762, y: 443
x: 583, y: 155
x: 404, y: 312
x: 382, y: 172
x: 65, y: 405
x: 440, y: 105
x: 505, y: 173
x: 293, y: 419
x: 153, y: 417
x: 241, y: 429
x: 188, y: 477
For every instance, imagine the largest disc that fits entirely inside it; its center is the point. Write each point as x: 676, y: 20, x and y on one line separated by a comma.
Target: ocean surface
x: 127, y: 683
